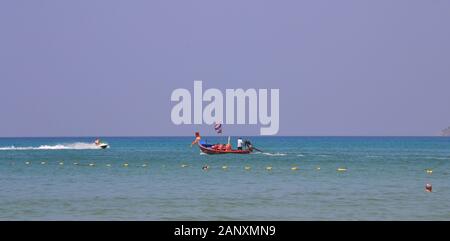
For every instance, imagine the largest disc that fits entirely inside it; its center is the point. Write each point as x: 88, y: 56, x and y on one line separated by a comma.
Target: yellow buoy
x: 247, y: 168
x: 125, y: 164
x: 224, y: 167
x: 341, y: 169
x: 294, y: 168
x: 269, y: 168
x: 429, y: 171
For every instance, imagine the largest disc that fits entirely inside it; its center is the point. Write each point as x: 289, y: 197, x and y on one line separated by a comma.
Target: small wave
x: 436, y: 157
x: 274, y: 154
x: 300, y: 155
x: 71, y: 146
x: 323, y: 155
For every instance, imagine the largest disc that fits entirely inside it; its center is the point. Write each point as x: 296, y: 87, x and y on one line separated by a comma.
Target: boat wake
x: 273, y: 154
x: 71, y: 146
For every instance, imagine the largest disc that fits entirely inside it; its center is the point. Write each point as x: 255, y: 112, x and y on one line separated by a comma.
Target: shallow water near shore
x: 161, y: 178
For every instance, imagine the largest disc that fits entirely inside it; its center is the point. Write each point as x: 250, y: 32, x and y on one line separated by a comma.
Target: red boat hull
x: 208, y: 150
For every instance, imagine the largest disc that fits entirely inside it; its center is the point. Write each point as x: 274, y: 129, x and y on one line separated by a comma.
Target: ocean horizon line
x: 150, y: 136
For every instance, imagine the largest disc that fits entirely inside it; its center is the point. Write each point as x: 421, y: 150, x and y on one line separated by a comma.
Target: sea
x: 163, y: 178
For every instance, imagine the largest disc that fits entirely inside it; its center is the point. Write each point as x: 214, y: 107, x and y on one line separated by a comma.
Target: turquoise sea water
x: 164, y: 180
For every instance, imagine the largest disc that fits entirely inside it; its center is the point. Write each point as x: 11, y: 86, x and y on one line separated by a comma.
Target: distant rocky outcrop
x: 446, y: 132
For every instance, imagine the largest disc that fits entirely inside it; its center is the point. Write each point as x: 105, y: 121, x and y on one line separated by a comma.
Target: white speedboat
x: 103, y: 145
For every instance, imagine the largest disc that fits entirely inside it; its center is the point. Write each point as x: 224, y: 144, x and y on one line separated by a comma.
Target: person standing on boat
x: 197, y: 138
x: 239, y: 143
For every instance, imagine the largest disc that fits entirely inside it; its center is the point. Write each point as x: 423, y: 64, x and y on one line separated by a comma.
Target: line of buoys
x: 206, y: 167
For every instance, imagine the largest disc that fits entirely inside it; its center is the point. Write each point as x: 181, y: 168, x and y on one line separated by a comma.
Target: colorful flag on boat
x: 218, y: 127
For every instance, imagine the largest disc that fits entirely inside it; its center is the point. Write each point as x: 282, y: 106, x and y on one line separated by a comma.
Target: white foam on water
x: 70, y: 146
x: 274, y: 154
x: 323, y: 155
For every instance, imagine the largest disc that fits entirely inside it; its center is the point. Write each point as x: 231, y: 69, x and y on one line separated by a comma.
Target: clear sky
x: 77, y: 68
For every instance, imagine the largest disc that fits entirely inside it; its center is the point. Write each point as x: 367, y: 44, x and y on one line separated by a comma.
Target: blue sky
x: 88, y: 68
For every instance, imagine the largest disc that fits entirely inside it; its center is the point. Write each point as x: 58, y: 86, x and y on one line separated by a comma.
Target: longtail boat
x: 221, y: 149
